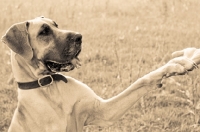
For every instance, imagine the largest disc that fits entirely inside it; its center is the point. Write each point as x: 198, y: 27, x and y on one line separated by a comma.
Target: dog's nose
x: 78, y: 38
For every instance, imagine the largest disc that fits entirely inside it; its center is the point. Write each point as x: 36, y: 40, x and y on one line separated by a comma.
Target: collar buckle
x: 43, y: 79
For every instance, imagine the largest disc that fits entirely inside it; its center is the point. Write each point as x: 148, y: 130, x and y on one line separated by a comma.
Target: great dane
x: 51, y: 102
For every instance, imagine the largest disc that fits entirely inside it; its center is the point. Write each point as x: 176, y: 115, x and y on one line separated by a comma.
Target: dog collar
x: 44, y: 81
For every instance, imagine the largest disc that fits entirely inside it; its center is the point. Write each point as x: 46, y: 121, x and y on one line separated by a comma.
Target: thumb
x: 178, y: 53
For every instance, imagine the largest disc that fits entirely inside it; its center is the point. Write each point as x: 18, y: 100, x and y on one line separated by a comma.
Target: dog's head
x: 41, y: 41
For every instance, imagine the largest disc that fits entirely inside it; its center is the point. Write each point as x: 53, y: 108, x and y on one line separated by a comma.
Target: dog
x: 51, y: 102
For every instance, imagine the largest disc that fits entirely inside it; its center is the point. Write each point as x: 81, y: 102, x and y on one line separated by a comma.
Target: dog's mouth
x: 66, y: 66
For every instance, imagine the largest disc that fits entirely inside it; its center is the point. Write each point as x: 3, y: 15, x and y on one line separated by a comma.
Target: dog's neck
x: 22, y: 71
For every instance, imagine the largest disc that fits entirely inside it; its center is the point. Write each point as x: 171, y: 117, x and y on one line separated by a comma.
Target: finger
x: 195, y: 65
x: 178, y: 53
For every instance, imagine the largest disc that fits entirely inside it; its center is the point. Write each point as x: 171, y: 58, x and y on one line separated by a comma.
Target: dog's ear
x: 16, y: 38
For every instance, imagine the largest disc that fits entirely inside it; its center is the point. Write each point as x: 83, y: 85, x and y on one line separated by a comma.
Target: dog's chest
x: 46, y: 109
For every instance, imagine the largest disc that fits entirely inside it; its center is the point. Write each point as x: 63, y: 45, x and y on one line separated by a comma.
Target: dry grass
x: 122, y: 40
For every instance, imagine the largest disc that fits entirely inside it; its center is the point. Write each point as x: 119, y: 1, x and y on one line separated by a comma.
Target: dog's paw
x: 174, y: 69
x: 170, y: 69
x: 177, y: 66
x: 185, y: 62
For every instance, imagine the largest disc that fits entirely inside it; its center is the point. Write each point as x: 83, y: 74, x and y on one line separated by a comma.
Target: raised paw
x: 187, y: 63
x: 177, y: 66
x: 173, y: 69
x: 169, y: 69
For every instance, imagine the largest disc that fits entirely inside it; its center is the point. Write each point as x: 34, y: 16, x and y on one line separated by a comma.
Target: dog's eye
x: 45, y: 31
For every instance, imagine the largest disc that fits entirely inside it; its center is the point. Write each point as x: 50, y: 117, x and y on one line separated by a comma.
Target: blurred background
x: 122, y: 41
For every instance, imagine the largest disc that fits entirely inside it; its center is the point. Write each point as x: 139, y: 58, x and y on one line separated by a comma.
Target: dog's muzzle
x: 71, y: 53
x: 54, y: 66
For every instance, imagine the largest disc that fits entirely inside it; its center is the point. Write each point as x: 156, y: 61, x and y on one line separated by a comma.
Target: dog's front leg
x: 106, y: 112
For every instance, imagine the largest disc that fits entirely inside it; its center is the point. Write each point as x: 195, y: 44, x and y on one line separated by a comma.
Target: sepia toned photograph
x: 100, y: 66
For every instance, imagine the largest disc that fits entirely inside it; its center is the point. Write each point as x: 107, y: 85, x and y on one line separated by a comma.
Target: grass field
x: 122, y: 41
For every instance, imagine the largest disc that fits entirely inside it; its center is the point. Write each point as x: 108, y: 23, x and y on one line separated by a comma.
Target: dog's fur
x: 61, y: 106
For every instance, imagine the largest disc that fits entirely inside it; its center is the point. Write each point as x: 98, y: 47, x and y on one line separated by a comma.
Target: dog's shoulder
x: 79, y: 87
x: 82, y: 93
